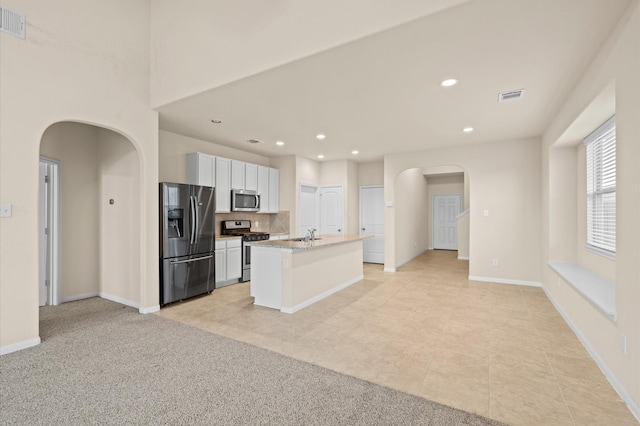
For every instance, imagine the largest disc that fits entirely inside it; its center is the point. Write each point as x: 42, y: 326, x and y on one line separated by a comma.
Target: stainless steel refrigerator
x: 187, y: 241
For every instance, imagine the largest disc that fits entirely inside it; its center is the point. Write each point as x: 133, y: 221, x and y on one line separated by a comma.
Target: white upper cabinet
x: 223, y: 185
x: 201, y: 169
x: 274, y: 190
x: 263, y: 189
x: 225, y: 174
x: 251, y: 177
x: 237, y: 174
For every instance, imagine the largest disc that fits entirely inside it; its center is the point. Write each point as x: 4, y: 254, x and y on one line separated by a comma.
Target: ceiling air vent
x: 510, y: 95
x: 254, y: 141
x: 13, y: 23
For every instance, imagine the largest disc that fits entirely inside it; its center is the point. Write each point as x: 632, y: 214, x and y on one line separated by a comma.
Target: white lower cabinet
x: 228, y: 261
x: 234, y: 259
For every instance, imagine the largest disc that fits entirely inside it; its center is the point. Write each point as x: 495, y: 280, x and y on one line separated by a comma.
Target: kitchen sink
x: 302, y: 239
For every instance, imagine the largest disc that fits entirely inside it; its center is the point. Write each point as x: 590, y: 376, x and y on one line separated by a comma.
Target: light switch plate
x: 5, y: 210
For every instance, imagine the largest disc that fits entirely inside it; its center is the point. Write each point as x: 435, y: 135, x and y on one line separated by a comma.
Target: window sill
x: 600, y: 292
x: 600, y: 252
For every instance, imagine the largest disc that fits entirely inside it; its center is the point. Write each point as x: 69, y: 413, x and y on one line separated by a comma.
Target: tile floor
x: 498, y: 350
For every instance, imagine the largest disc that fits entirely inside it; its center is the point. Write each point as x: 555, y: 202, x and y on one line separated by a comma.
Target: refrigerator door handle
x: 197, y: 216
x: 192, y: 216
x: 175, y: 262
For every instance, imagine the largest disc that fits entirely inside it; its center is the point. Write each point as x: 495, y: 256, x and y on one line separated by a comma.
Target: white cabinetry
x: 237, y: 174
x: 234, y: 259
x: 228, y: 261
x: 221, y: 261
x: 225, y: 174
x: 251, y: 177
x: 263, y: 189
x: 223, y: 185
x: 274, y: 190
x: 201, y: 169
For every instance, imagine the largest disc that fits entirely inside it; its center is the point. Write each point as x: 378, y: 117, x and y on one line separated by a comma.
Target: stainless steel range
x: 242, y: 228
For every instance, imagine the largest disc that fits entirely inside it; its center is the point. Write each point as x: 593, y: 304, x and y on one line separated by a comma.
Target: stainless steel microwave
x: 244, y: 200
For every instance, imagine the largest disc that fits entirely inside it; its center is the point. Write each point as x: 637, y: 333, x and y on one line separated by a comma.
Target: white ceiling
x: 381, y: 93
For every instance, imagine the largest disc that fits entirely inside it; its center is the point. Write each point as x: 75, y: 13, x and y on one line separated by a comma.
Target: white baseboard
x: 463, y: 257
x: 7, y: 349
x: 505, y: 281
x: 120, y: 300
x: 389, y: 269
x: 410, y: 259
x: 80, y: 297
x: 617, y: 385
x: 320, y: 296
x: 149, y: 310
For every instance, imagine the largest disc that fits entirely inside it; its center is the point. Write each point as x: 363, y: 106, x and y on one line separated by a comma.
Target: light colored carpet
x: 103, y: 363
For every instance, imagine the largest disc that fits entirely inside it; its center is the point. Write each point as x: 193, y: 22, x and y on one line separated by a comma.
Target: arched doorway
x: 415, y: 189
x: 99, y: 212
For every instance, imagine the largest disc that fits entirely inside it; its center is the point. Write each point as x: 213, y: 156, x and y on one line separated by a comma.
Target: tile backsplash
x: 274, y: 223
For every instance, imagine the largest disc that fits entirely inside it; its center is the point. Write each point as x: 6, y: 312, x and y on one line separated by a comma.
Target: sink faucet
x: 311, y: 235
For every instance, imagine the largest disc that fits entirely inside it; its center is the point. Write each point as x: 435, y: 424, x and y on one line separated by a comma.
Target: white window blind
x: 601, y: 187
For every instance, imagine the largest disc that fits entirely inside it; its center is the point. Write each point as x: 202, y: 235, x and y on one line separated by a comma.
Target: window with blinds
x: 601, y: 187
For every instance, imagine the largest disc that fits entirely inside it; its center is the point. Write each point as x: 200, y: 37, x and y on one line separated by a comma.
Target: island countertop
x: 299, y: 243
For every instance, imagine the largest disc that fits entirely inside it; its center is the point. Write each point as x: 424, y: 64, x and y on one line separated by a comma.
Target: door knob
x: 363, y: 229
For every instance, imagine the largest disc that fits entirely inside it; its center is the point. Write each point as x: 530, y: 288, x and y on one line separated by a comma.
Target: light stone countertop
x: 226, y: 237
x: 319, y: 242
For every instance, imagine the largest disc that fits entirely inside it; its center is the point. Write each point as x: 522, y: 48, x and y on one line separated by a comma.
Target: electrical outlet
x: 623, y: 343
x: 485, y: 212
x: 494, y: 261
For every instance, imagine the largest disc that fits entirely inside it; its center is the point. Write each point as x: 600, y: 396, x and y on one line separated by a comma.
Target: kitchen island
x: 292, y: 274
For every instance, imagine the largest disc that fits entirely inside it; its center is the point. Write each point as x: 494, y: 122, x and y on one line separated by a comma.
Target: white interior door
x: 331, y: 208
x: 372, y: 222
x: 308, y: 208
x: 445, y: 209
x: 48, y: 232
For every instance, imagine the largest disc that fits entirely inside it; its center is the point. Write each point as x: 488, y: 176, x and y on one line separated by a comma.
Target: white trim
x: 149, y: 310
x: 463, y: 257
x: 389, y: 269
x: 634, y: 407
x: 321, y: 296
x: 600, y: 252
x: 463, y: 214
x: 505, y: 281
x: 119, y: 300
x: 80, y: 297
x: 54, y: 290
x: 7, y: 349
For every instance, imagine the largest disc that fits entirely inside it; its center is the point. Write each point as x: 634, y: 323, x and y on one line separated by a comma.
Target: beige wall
x: 371, y: 174
x: 412, y: 217
x: 75, y: 146
x: 119, y: 170
x: 504, y: 178
x: 439, y: 185
x: 617, y: 65
x: 88, y: 66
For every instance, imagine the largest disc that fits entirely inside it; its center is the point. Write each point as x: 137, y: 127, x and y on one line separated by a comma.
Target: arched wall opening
x: 414, y: 190
x: 99, y: 210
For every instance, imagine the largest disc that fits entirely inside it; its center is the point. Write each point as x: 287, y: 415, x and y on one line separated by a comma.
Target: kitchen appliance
x: 242, y: 228
x: 187, y: 241
x: 243, y: 200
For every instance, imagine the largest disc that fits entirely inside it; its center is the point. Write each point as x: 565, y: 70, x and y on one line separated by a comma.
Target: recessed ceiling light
x: 468, y: 129
x: 449, y: 82
x: 216, y: 121
x: 320, y: 156
x: 355, y: 152
x: 320, y: 136
x: 279, y: 143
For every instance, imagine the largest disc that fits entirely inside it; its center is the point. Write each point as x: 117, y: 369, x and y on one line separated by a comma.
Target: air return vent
x: 254, y: 141
x: 511, y: 95
x: 13, y: 23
